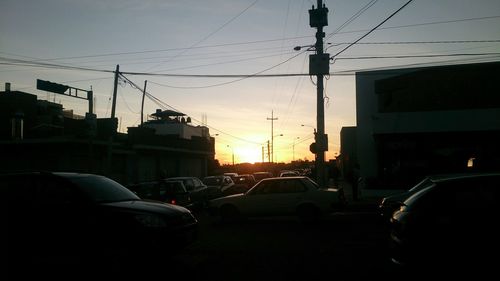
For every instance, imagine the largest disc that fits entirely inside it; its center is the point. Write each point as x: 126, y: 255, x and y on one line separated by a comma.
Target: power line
x: 210, y: 34
x: 418, y: 42
x: 373, y: 29
x: 240, y: 76
x: 19, y: 62
x: 415, y: 56
x: 352, y: 18
x: 252, y: 42
x: 159, y: 102
x: 422, y: 24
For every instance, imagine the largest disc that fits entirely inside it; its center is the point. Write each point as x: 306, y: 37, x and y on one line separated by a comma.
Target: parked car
x: 84, y: 215
x: 451, y: 225
x: 388, y: 205
x: 230, y: 174
x: 198, y: 191
x: 218, y: 185
x: 262, y: 175
x: 280, y: 196
x: 288, y: 174
x: 172, y: 192
x: 245, y: 182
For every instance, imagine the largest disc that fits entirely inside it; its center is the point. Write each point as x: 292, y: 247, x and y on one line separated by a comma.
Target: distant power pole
x: 268, y: 152
x: 262, y: 154
x: 113, y: 110
x: 319, y: 65
x: 115, y: 90
x: 142, y: 104
x: 272, y: 134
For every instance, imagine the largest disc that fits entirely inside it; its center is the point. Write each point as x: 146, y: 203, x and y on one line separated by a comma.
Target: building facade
x: 40, y: 135
x: 420, y: 121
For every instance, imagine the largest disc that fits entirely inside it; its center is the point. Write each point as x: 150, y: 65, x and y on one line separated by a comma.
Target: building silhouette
x: 419, y: 121
x: 41, y: 135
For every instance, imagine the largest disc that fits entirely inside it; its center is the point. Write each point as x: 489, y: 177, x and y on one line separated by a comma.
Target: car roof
x: 59, y: 174
x: 283, y: 178
x: 456, y: 176
x: 445, y: 178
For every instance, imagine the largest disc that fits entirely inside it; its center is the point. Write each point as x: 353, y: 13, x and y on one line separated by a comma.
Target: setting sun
x: 247, y: 154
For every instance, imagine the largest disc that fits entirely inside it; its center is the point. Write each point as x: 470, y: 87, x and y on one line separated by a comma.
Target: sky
x: 79, y: 43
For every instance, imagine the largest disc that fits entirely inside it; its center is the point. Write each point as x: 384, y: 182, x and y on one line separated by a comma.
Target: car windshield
x: 411, y: 201
x: 310, y: 182
x: 175, y: 187
x: 421, y: 185
x: 212, y: 181
x: 103, y: 190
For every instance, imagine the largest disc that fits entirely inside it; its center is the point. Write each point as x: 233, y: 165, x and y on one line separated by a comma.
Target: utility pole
x: 272, y: 134
x: 268, y: 153
x: 113, y: 110
x: 115, y: 89
x: 262, y: 154
x: 142, y: 104
x: 319, y: 65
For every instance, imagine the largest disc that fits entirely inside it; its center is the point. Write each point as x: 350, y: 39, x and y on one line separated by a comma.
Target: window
x: 197, y: 183
x: 265, y: 187
x: 189, y: 183
x: 288, y: 186
x: 51, y: 191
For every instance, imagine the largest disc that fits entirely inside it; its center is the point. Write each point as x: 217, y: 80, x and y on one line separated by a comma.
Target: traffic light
x: 51, y: 87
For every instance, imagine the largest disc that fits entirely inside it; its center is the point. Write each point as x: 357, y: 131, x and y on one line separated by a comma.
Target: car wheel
x: 229, y: 213
x: 308, y: 213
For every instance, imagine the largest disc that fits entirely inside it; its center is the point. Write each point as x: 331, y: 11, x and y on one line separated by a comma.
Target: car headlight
x: 149, y: 220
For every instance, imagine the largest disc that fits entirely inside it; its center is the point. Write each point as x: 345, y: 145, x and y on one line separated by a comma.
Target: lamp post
x: 310, y: 127
x: 272, y: 146
x: 293, y: 148
x: 232, y: 150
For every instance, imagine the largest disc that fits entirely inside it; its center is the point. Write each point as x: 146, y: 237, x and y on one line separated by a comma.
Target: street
x: 344, y: 246
x: 350, y: 245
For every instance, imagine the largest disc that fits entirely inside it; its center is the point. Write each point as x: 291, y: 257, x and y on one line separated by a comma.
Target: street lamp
x: 232, y: 150
x: 293, y: 148
x: 310, y: 127
x: 272, y: 146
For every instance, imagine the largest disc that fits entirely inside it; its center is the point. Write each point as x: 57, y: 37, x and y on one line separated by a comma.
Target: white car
x: 280, y: 196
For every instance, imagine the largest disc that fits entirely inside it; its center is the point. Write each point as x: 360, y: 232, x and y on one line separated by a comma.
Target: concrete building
x: 169, y: 122
x: 348, y: 152
x: 41, y: 135
x: 419, y: 121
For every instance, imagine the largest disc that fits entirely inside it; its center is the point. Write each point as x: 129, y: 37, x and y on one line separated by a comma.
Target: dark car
x: 389, y: 204
x: 172, y: 192
x: 244, y: 182
x: 451, y: 226
x: 85, y: 216
x: 198, y: 191
x: 262, y: 175
x: 218, y: 185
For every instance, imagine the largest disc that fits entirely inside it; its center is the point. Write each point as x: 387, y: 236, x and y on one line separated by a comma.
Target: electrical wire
x: 158, y: 101
x: 373, y: 29
x: 253, y: 42
x: 240, y: 76
x: 416, y: 56
x: 210, y: 34
x: 352, y: 18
